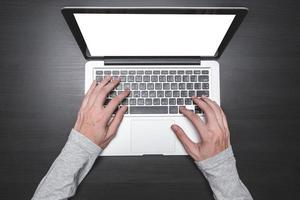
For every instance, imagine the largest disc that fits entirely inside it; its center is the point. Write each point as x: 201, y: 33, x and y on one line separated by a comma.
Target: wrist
x: 216, y: 160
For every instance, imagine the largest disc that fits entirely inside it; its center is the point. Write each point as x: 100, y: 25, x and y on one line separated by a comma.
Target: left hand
x: 94, y: 120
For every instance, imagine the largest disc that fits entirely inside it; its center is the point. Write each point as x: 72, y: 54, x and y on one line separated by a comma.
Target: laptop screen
x: 153, y: 34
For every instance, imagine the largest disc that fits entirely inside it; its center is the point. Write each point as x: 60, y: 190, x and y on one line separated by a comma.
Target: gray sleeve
x: 222, y: 176
x: 68, y: 170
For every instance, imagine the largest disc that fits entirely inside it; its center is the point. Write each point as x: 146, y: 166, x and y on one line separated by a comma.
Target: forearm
x: 68, y: 170
x: 223, y: 178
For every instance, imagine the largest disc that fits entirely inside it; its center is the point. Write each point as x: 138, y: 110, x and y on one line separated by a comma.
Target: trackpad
x: 152, y: 136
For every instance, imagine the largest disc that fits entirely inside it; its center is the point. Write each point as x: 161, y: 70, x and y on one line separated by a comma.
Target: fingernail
x: 173, y: 127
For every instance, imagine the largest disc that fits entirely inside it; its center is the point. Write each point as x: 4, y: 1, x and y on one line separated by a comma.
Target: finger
x: 209, y: 113
x: 106, y: 90
x: 113, y: 104
x: 115, y: 123
x: 216, y: 110
x: 195, y: 119
x: 88, y: 94
x: 187, y: 143
x: 97, y: 90
x: 104, y: 81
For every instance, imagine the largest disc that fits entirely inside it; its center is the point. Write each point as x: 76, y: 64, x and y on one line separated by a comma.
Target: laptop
x: 164, y: 55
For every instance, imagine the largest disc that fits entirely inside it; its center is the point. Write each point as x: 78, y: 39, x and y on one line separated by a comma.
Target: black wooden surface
x: 41, y: 87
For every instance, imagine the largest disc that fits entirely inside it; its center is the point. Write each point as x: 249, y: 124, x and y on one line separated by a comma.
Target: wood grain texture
x: 41, y: 87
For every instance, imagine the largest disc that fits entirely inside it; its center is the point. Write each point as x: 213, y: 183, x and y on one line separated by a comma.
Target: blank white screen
x: 153, y: 34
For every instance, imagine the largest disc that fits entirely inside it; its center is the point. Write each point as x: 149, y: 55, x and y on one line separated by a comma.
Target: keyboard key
x: 164, y: 72
x: 148, y: 72
x: 197, y: 86
x: 203, y: 78
x: 142, y: 86
x: 150, y: 86
x: 124, y: 102
x: 99, y: 78
x: 191, y: 93
x: 180, y: 72
x: 180, y: 101
x: 115, y: 72
x: 188, y: 71
x: 130, y: 78
x: 205, y: 85
x: 181, y: 86
x: 188, y: 101
x: 173, y: 109
x: 138, y: 78
x: 136, y: 94
x: 144, y: 93
x: 124, y: 72
x: 166, y: 86
x: 140, y: 101
x: 146, y: 78
x: 172, y: 101
x: 168, y: 93
x: 170, y: 78
x: 149, y: 110
x: 202, y: 92
x: 156, y: 72
x: 174, y: 86
x: 123, y: 78
x: 160, y: 94
x: 107, y: 72
x: 140, y: 72
x: 205, y: 72
x: 154, y: 78
x: 158, y: 86
x: 132, y: 101
x: 131, y: 72
x: 183, y: 93
x: 152, y: 93
x: 126, y: 86
x: 185, y: 78
x: 162, y: 78
x: 156, y: 101
x: 197, y: 72
x: 177, y: 78
x: 172, y: 72
x: 189, y: 86
x: 120, y: 86
x: 176, y: 94
x: 198, y: 110
x: 148, y: 101
x: 98, y: 72
x: 193, y: 78
x: 112, y: 94
x: 164, y: 101
x: 134, y: 86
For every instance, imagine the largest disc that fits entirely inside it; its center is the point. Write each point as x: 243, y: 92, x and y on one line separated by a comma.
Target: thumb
x: 187, y: 143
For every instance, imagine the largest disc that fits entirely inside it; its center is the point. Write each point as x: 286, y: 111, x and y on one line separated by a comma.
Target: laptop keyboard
x: 158, y: 91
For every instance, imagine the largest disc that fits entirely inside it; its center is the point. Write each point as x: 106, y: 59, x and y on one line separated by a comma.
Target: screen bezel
x: 68, y: 13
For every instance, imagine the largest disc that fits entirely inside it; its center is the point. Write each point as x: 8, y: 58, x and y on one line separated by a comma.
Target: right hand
x: 214, y: 134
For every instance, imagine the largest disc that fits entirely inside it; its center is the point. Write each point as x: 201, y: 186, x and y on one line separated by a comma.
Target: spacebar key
x: 148, y: 109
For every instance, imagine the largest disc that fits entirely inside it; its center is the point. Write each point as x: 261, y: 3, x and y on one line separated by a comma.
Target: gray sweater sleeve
x: 68, y: 170
x: 221, y: 173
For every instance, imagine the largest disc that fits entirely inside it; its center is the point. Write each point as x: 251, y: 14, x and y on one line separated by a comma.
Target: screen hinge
x: 152, y: 61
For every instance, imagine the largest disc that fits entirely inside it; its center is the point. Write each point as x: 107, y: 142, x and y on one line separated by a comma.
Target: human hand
x: 94, y: 120
x: 214, y: 133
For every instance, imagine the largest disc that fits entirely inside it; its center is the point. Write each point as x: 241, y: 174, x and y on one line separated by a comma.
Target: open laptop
x: 164, y: 55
